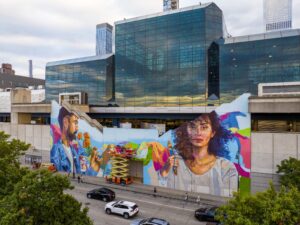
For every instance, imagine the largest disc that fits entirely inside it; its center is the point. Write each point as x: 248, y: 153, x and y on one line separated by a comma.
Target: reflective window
x: 162, y: 61
x: 243, y: 65
x: 92, y: 77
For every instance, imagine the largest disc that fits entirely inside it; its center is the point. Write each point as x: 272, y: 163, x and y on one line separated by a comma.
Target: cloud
x: 52, y: 30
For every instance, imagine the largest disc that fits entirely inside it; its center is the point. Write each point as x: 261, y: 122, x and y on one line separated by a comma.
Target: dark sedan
x: 103, y: 194
x: 206, y: 214
x: 150, y: 221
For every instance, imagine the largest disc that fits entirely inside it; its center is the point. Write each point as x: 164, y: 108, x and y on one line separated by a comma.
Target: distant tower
x: 30, y: 68
x: 103, y: 39
x: 170, y: 4
x: 277, y: 14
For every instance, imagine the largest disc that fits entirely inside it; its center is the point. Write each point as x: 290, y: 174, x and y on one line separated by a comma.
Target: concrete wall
x: 268, y: 150
x: 36, y: 135
x: 21, y: 96
x: 277, y: 104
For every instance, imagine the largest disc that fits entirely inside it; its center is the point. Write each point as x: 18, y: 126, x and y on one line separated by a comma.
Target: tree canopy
x: 264, y: 208
x: 10, y: 170
x: 289, y: 170
x: 34, y: 197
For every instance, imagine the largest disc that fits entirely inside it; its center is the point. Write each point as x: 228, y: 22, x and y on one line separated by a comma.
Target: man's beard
x: 72, y: 136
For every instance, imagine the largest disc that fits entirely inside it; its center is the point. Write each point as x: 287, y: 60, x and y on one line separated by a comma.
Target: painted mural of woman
x: 200, y: 164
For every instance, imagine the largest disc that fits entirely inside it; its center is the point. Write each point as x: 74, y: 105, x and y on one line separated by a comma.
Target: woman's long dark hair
x: 217, y: 144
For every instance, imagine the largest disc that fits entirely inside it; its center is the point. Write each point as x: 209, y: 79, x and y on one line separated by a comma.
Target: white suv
x: 124, y: 208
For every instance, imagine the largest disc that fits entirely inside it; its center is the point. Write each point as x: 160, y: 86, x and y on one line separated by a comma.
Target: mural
x: 210, y: 154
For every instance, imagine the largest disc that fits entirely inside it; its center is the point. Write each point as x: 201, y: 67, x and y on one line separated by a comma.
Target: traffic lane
x: 96, y: 209
x: 176, y: 212
x: 149, y: 197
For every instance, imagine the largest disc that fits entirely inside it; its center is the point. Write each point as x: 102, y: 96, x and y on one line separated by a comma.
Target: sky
x: 52, y: 30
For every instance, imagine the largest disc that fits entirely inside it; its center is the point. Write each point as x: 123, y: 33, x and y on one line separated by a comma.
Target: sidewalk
x: 160, y: 191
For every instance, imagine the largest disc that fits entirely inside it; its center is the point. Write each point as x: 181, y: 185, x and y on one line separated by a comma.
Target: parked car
x: 103, y: 194
x: 124, y: 208
x: 150, y: 221
x: 206, y: 214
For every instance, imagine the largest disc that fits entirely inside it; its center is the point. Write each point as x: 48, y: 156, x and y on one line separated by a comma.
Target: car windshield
x: 134, y: 207
x: 157, y: 221
x: 143, y: 221
x: 211, y: 211
x: 106, y: 190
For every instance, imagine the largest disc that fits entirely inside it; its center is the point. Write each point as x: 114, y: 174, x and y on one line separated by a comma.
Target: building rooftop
x: 104, y: 25
x: 78, y: 60
x: 263, y: 36
x: 165, y: 13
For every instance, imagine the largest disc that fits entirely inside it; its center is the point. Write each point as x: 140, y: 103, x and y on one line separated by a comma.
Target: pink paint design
x: 241, y: 171
x: 245, y: 149
x: 56, y: 133
x: 224, y: 116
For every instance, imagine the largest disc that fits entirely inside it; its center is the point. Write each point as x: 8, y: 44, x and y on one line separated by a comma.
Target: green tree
x: 265, y: 208
x: 34, y: 197
x: 10, y: 170
x: 290, y: 172
x: 39, y: 199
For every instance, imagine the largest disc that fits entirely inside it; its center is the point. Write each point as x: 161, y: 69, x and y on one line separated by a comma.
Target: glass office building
x: 246, y: 61
x: 104, y: 39
x: 161, y: 59
x: 92, y: 75
x: 178, y: 59
x: 277, y: 14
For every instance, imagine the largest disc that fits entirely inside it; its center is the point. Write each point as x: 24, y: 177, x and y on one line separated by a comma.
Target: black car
x: 150, y: 221
x: 103, y: 194
x: 206, y: 214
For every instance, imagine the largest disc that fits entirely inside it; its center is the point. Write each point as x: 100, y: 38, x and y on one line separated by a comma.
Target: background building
x: 170, y: 4
x: 169, y: 68
x: 91, y: 75
x: 247, y: 61
x: 161, y: 59
x: 277, y: 14
x: 104, y: 39
x: 9, y: 80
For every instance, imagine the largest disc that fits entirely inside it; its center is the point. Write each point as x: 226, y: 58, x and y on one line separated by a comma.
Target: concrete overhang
x: 151, y: 110
x: 81, y: 108
x: 31, y: 108
x: 274, y: 104
x: 42, y: 108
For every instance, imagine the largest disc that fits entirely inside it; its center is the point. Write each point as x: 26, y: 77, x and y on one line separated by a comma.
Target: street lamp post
x: 74, y: 166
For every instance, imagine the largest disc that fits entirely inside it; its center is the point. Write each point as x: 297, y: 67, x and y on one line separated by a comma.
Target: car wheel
x: 126, y: 215
x: 104, y: 199
x: 108, y: 211
x: 89, y: 195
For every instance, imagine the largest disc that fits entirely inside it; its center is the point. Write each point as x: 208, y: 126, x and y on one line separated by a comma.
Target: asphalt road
x: 175, y: 211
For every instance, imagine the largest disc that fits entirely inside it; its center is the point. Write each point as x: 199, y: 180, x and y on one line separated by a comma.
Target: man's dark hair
x: 63, y: 112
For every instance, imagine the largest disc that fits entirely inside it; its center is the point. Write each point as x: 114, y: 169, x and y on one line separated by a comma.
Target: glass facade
x: 162, y: 60
x: 278, y: 14
x: 243, y: 65
x: 94, y: 77
x: 178, y: 59
x: 104, y: 39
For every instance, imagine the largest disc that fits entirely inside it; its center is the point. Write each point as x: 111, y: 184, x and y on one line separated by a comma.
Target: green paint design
x: 245, y: 186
